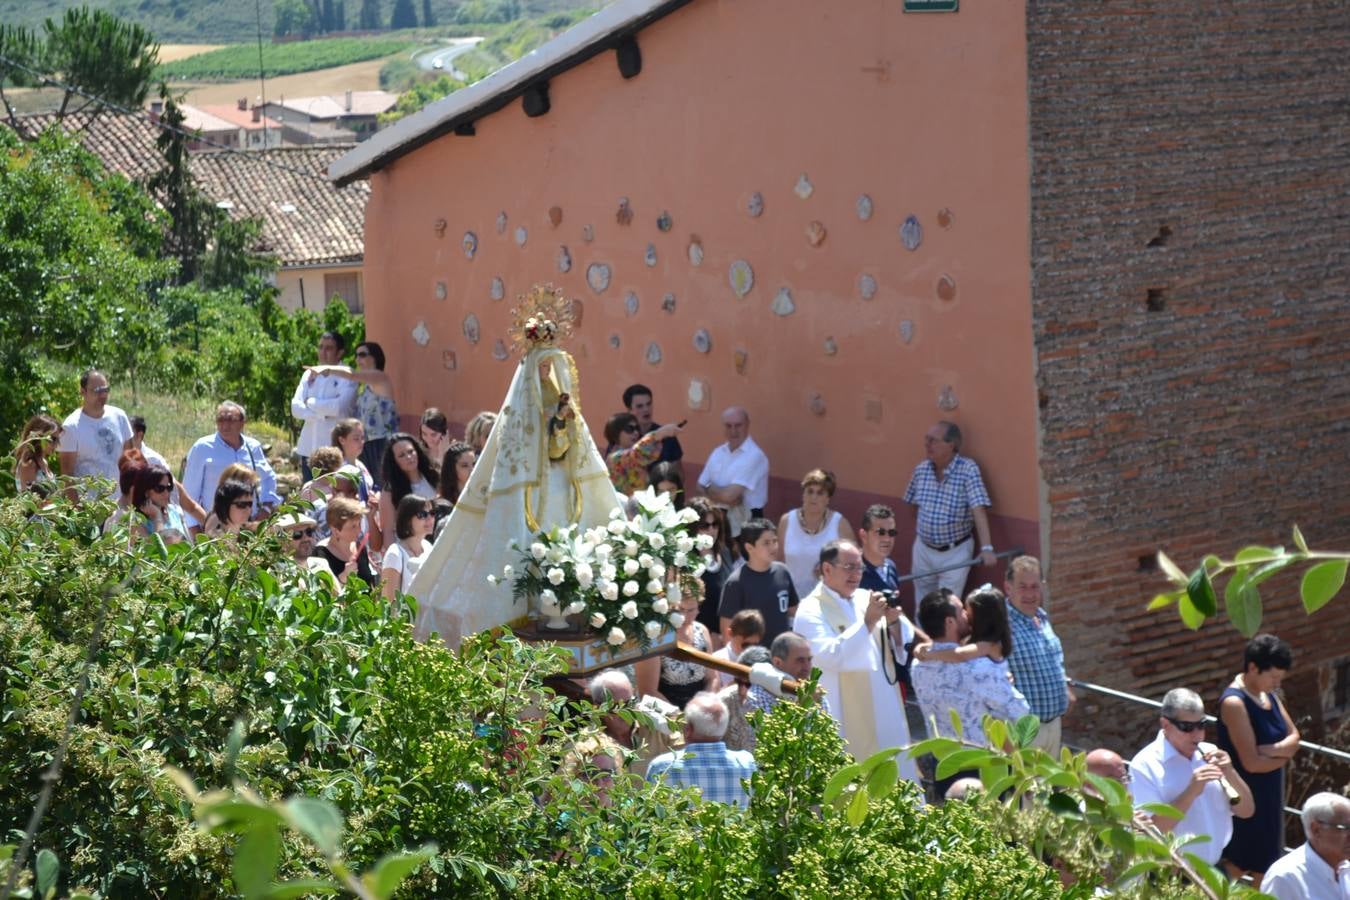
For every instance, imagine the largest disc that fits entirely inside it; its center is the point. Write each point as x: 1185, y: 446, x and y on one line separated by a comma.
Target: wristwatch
x: 988, y: 547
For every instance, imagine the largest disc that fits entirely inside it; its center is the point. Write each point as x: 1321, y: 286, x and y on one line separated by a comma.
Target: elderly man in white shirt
x: 1320, y: 869
x: 736, y: 475
x: 853, y: 634
x: 321, y: 400
x: 1178, y: 768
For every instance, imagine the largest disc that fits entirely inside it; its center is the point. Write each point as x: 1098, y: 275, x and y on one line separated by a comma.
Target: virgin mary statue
x: 539, y: 469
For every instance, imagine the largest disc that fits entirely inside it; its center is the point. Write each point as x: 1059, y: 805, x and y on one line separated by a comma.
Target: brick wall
x: 1190, y: 240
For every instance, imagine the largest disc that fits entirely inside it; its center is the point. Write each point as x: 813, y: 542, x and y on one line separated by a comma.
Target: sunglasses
x: 424, y: 514
x: 303, y: 533
x: 102, y: 390
x: 164, y: 487
x: 886, y: 532
x: 708, y: 523
x: 1186, y: 727
x: 242, y: 504
x: 361, y: 353
x: 632, y: 429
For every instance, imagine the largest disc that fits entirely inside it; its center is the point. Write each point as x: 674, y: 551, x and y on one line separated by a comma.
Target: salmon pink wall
x: 924, y: 113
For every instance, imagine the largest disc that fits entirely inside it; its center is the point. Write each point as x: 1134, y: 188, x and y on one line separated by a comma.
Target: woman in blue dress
x: 1258, y: 733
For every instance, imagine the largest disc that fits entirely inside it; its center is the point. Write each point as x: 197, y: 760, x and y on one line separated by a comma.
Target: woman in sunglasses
x: 231, y: 508
x: 31, y: 469
x: 343, y: 549
x: 634, y: 452
x: 151, y: 489
x: 413, y: 523
x: 719, y: 561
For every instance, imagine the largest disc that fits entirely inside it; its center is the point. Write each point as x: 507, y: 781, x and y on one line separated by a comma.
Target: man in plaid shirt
x: 705, y: 762
x: 951, y: 508
x: 1037, y: 660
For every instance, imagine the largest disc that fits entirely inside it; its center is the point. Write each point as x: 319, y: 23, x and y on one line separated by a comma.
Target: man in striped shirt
x: 705, y: 762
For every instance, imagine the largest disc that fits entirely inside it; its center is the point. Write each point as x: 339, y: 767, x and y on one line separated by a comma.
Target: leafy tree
x: 191, y: 214
x: 422, y: 93
x: 101, y: 56
x: 293, y: 17
x: 371, y: 17
x: 427, y: 18
x: 404, y: 15
x: 20, y: 55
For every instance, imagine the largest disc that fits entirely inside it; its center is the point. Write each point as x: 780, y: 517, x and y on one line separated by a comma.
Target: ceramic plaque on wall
x: 441, y: 290
x: 471, y: 332
x: 782, y: 302
x: 867, y: 286
x: 470, y: 244
x: 742, y: 277
x: 588, y: 233
x: 911, y: 233
x: 498, y: 290
x: 597, y: 276
x: 803, y: 188
x: 564, y: 259
x: 702, y: 340
x: 668, y: 303
x: 421, y: 334
x: 501, y: 222
x: 555, y: 216
x: 650, y: 256
x: 653, y: 353
x: 624, y: 214
x: 630, y: 303
x: 499, y: 349
x: 815, y: 234
x: 521, y: 235
x: 664, y: 222
x: 864, y: 207
x: 695, y: 252
x: 755, y: 205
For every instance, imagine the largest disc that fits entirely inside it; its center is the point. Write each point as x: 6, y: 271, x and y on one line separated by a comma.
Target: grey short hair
x: 951, y: 434
x: 1321, y: 808
x: 602, y: 686
x: 1180, y: 700
x: 755, y: 654
x: 227, y: 406
x: 707, y: 716
x: 783, y: 644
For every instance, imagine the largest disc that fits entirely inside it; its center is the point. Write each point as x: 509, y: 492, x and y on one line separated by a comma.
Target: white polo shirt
x: 1303, y: 875
x: 1161, y: 774
x: 746, y: 466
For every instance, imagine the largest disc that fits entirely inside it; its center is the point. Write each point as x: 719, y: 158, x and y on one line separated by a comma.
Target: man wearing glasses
x: 209, y: 456
x: 853, y: 635
x: 1320, y: 869
x: 94, y: 436
x: 1177, y: 770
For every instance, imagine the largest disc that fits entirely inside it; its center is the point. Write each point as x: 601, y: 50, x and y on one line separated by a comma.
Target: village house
x: 339, y: 119
x: 1114, y: 270
x: 312, y: 227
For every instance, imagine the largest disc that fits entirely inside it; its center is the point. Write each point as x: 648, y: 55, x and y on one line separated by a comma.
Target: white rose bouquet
x: 620, y: 578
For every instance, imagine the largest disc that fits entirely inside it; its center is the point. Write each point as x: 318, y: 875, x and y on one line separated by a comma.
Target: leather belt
x: 943, y: 548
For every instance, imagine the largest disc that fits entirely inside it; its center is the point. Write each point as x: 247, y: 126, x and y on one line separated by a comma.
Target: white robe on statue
x: 866, y: 723
x: 513, y: 482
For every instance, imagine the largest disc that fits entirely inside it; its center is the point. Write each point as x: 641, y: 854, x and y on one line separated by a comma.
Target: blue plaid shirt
x: 1037, y: 663
x: 716, y: 771
x: 944, y: 506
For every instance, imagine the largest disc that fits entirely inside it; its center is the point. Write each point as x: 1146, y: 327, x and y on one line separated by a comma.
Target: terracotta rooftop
x: 236, y: 117
x: 306, y: 220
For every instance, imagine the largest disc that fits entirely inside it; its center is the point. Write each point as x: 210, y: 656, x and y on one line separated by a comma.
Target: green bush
x: 334, y: 700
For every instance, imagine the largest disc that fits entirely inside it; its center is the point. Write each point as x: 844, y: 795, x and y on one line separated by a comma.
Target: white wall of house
x: 311, y: 288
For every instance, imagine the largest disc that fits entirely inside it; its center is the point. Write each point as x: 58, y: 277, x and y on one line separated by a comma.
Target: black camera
x: 892, y: 598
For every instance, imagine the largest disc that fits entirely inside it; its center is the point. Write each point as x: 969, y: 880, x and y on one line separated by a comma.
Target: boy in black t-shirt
x: 762, y: 583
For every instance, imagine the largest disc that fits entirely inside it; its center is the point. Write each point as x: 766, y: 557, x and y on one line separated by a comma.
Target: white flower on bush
x: 629, y: 610
x: 646, y: 560
x: 617, y: 526
x: 669, y: 519
x: 575, y: 607
x: 688, y: 516
x: 492, y: 579
x: 704, y: 542
x: 630, y: 589
x: 616, y: 636
x: 681, y: 559
x: 548, y: 600
x: 630, y: 566
x: 598, y: 620
x: 653, y: 629
x: 655, y: 587
x: 684, y: 543
x: 699, y: 569
x: 538, y: 550
x: 556, y: 576
x: 616, y: 512
x: 610, y: 591
x: 657, y: 569
x: 608, y: 572
x: 585, y: 575
x: 508, y: 573
x: 602, y: 551
x: 657, y: 540
x: 673, y: 594
x: 630, y: 548
x: 675, y: 619
x: 555, y: 554
x: 660, y: 606
x: 583, y: 550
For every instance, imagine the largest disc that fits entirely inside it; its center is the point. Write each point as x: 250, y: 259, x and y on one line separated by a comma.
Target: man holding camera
x: 854, y: 636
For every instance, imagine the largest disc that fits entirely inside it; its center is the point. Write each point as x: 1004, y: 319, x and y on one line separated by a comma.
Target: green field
x: 241, y: 60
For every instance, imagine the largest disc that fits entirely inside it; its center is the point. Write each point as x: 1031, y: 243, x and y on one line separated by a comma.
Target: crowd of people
x: 808, y: 591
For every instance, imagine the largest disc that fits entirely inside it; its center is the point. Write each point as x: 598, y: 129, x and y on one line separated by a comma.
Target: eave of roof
x: 602, y: 31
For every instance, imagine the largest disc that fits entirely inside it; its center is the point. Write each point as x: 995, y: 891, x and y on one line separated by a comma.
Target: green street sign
x: 932, y: 5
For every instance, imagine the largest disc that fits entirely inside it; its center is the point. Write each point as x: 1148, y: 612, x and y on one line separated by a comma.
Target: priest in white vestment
x: 539, y: 469
x: 847, y: 630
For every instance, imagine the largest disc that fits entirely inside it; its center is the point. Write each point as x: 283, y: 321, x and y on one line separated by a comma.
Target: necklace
x: 1258, y: 698
x: 801, y: 517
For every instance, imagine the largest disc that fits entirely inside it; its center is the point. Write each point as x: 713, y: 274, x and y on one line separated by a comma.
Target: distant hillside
x: 228, y: 21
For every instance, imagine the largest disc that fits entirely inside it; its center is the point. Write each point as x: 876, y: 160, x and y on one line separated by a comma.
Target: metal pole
x: 1006, y: 554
